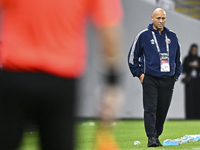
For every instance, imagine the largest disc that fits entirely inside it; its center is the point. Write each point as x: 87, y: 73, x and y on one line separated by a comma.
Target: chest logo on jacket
x: 168, y: 41
x: 152, y: 41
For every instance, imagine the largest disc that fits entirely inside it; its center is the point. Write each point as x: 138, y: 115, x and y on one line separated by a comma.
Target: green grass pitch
x: 126, y: 132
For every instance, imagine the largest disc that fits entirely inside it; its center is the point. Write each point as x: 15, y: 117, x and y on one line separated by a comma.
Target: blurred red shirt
x: 49, y: 35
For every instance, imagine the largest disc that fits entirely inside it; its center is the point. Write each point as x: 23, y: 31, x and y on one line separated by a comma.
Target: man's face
x: 159, y: 19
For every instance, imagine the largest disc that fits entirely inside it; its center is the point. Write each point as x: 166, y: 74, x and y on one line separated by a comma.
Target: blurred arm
x: 111, y: 46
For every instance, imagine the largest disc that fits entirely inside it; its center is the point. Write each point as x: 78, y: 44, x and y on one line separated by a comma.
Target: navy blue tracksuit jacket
x: 144, y: 57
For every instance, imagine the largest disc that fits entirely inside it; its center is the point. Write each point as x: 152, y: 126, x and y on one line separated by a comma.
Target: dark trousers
x: 157, y: 94
x: 45, y: 99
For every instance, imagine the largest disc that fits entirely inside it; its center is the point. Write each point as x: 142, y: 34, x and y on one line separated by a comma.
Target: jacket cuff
x: 140, y: 74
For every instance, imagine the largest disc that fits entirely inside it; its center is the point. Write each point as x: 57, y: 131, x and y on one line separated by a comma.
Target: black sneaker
x: 158, y: 142
x: 152, y: 142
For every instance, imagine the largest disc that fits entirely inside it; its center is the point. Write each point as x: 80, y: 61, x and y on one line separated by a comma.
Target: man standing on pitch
x: 154, y: 58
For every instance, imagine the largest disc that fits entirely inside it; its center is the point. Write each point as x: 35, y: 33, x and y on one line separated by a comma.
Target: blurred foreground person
x: 42, y: 53
x: 155, y: 59
x: 191, y: 69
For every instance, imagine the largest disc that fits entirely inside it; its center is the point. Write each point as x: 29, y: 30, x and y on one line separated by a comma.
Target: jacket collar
x: 150, y: 27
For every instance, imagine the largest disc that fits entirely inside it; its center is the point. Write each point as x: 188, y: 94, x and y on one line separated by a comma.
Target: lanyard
x: 166, y: 40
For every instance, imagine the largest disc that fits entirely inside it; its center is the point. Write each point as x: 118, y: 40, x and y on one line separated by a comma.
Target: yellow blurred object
x: 105, y: 140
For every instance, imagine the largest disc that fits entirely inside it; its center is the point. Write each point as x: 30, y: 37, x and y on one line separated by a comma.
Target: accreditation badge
x: 164, y: 62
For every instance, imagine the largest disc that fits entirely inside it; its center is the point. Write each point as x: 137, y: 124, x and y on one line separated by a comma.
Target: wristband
x: 111, y: 77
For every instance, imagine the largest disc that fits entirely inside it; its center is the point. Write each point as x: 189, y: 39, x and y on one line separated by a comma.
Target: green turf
x: 126, y: 132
